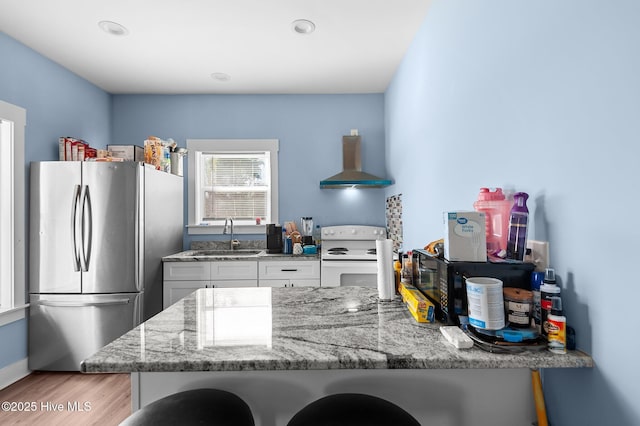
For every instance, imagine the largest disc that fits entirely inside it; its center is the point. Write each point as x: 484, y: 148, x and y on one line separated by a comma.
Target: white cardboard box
x: 127, y: 152
x: 464, y: 236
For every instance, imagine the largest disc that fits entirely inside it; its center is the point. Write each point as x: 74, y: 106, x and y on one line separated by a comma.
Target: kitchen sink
x: 228, y: 253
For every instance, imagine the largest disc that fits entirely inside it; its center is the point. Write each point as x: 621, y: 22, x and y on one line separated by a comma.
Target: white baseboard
x: 14, y: 372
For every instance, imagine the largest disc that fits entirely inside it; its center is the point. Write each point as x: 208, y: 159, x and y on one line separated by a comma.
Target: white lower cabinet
x: 176, y: 290
x: 186, y: 271
x: 303, y: 273
x: 183, y: 278
x: 234, y: 283
x: 289, y: 283
x: 235, y: 270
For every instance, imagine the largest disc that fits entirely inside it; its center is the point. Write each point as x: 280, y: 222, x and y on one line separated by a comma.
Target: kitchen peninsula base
x: 497, y: 397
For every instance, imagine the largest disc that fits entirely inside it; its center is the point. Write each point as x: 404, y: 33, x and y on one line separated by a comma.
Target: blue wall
x: 58, y: 103
x: 309, y: 128
x: 14, y: 342
x: 542, y: 97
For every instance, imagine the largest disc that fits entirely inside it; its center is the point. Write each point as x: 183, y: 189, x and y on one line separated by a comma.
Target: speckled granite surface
x: 208, y: 255
x: 297, y: 329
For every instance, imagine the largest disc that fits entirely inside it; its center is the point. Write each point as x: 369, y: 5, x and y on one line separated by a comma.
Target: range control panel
x: 354, y: 232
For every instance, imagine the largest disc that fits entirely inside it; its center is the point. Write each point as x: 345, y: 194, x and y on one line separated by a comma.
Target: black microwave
x: 443, y: 282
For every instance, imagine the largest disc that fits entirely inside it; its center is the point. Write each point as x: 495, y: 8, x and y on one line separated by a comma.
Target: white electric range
x: 348, y: 255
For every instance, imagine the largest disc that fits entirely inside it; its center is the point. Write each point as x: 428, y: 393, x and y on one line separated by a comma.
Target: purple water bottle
x: 518, y: 220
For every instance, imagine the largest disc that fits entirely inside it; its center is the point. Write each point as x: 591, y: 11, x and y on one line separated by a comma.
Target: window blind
x: 235, y: 185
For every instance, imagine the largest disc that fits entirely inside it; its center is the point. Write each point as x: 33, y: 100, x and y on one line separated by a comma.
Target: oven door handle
x: 289, y: 270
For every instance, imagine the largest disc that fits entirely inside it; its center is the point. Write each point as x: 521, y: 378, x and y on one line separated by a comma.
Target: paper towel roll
x: 384, y: 257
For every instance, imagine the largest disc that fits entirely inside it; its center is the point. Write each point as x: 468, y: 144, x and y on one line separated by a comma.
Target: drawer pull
x: 288, y: 270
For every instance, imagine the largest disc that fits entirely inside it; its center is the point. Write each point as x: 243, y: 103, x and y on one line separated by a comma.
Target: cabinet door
x: 176, y: 290
x: 274, y: 283
x: 289, y: 283
x: 235, y: 270
x: 185, y: 271
x: 234, y: 283
x: 304, y: 283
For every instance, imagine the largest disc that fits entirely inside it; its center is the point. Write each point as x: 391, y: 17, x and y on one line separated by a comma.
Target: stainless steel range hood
x: 352, y: 175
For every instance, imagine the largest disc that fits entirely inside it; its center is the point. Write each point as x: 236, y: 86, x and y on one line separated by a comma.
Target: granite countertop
x: 239, y: 254
x: 220, y: 250
x: 300, y: 328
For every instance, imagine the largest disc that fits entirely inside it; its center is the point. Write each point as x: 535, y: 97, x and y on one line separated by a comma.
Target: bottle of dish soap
x: 518, y: 221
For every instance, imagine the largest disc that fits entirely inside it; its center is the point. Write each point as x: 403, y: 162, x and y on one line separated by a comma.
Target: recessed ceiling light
x: 220, y: 76
x: 303, y: 26
x: 113, y: 28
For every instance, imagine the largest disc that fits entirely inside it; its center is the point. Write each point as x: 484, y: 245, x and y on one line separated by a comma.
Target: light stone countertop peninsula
x: 306, y: 328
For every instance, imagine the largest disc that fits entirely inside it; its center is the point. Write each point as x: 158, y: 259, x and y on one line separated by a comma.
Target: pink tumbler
x: 496, y: 208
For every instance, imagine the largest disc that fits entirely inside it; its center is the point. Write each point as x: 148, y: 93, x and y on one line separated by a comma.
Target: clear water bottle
x: 518, y: 223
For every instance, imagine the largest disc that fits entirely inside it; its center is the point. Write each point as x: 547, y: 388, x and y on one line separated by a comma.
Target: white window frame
x: 195, y: 146
x: 12, y: 213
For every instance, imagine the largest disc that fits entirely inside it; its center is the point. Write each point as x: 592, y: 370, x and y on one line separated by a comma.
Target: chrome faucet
x: 233, y: 243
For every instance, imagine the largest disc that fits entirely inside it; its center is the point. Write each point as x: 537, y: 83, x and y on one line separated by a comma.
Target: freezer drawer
x: 66, y: 329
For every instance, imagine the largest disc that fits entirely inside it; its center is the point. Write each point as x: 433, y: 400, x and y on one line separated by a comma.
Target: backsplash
x: 393, y: 214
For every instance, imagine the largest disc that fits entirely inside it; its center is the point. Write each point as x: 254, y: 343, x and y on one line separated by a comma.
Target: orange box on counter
x: 419, y: 306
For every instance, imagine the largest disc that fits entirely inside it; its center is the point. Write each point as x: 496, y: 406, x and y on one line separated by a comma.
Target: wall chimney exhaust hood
x: 352, y: 175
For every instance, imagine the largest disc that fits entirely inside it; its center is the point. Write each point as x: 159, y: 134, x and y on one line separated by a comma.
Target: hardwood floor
x: 56, y: 398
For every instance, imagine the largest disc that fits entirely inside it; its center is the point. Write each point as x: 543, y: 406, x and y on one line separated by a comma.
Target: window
x: 232, y: 178
x: 12, y: 215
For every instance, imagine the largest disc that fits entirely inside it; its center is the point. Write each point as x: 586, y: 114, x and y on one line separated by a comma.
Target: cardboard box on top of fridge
x: 127, y: 152
x: 464, y: 236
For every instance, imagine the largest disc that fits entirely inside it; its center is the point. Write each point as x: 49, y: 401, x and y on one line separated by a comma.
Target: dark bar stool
x: 352, y: 409
x: 212, y: 407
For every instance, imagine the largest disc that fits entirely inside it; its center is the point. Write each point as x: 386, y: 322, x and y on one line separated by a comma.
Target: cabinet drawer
x: 234, y: 270
x: 185, y: 271
x: 307, y: 269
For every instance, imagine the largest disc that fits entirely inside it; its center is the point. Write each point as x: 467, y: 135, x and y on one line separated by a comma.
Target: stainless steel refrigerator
x: 98, y: 232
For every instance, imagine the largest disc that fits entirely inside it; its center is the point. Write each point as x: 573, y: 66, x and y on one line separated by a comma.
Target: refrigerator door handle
x: 87, y: 228
x: 139, y: 227
x: 74, y: 228
x: 82, y: 304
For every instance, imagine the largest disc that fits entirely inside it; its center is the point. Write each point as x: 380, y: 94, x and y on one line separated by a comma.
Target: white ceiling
x: 174, y: 46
